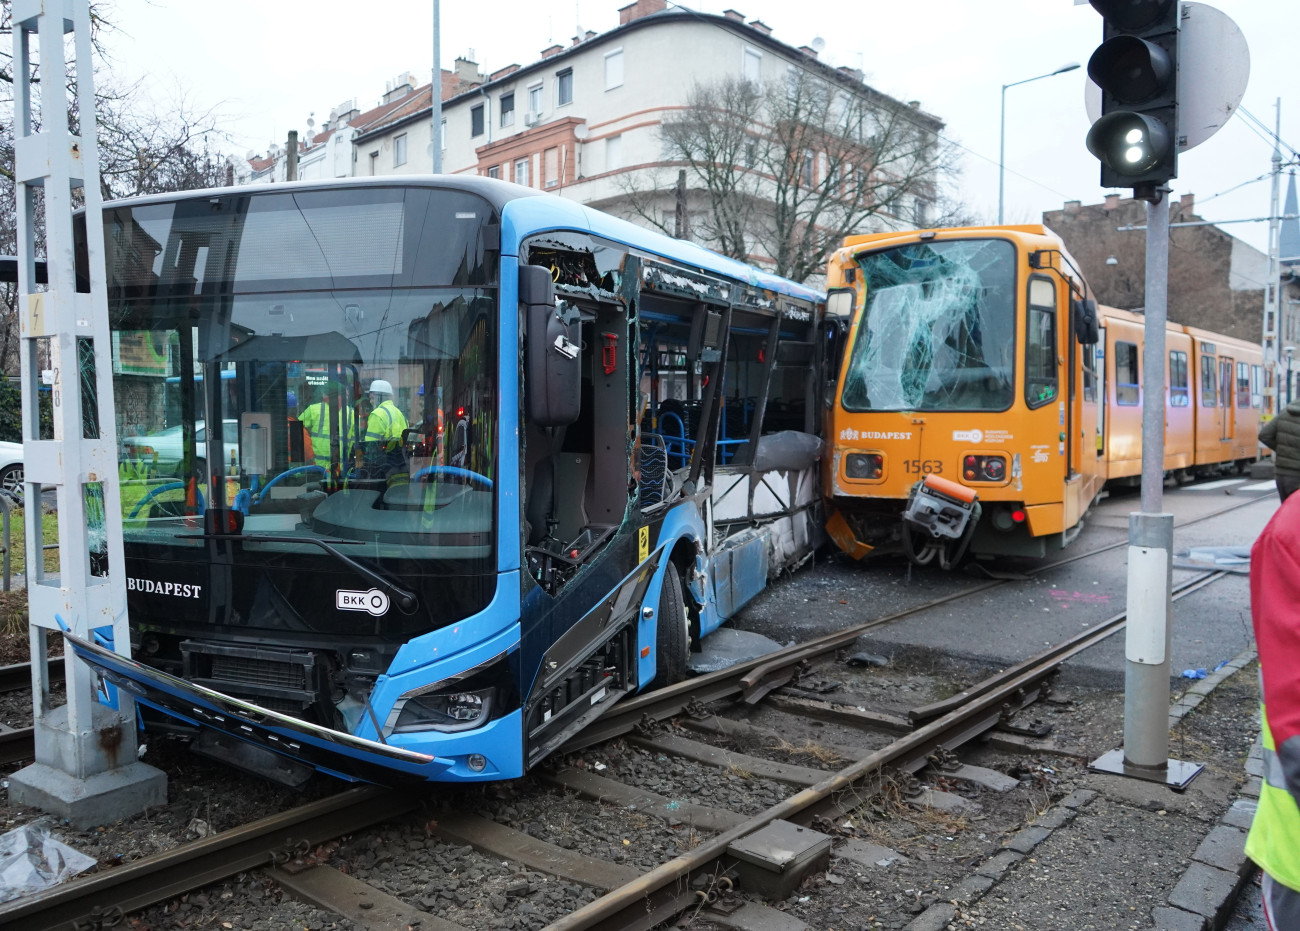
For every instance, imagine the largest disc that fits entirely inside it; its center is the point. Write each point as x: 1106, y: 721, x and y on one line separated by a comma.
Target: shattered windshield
x: 938, y: 329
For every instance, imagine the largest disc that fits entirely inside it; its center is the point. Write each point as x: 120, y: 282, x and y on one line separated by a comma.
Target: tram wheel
x: 672, y: 633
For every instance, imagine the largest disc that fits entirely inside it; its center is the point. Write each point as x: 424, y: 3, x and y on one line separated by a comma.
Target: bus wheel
x: 672, y: 638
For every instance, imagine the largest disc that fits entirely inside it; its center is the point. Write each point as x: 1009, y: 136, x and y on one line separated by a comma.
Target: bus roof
x: 526, y: 211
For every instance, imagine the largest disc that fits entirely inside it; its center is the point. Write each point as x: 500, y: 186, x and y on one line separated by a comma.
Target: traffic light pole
x: 1145, y: 754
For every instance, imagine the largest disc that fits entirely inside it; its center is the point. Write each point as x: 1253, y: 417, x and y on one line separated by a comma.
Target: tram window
x: 1041, y: 379
x: 1126, y: 374
x: 1209, y: 385
x: 1178, y: 378
x: 1256, y: 386
x: 1243, y: 384
x: 1089, y: 372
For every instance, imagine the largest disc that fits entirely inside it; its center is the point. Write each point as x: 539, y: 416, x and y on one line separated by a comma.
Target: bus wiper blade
x: 404, y: 598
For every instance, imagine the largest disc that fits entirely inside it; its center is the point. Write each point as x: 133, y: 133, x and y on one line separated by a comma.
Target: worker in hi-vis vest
x: 319, y: 418
x: 1274, y: 839
x: 386, y: 422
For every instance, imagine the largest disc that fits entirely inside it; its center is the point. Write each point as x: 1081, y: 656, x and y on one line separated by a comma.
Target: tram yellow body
x: 982, y: 399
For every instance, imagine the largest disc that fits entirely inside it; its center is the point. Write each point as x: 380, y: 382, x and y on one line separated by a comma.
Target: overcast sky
x: 267, y: 66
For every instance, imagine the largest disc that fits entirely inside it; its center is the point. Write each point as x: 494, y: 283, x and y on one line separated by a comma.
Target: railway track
x: 701, y: 877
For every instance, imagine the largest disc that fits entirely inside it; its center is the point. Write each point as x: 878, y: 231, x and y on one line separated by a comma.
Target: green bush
x: 11, y: 412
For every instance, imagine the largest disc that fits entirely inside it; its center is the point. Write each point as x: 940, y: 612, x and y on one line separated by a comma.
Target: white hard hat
x: 379, y: 386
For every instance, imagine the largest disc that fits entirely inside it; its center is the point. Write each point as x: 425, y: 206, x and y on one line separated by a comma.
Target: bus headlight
x: 446, y: 711
x: 457, y: 703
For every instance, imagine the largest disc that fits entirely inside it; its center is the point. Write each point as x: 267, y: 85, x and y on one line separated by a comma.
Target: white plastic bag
x: 32, y: 859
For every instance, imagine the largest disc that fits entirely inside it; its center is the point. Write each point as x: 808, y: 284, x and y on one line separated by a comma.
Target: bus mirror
x: 553, y: 357
x: 1086, y: 328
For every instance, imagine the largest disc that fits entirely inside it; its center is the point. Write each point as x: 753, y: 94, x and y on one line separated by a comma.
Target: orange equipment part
x: 950, y: 488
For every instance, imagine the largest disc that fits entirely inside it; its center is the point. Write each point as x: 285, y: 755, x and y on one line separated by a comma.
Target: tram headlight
x: 457, y: 703
x: 984, y: 468
x: 864, y: 465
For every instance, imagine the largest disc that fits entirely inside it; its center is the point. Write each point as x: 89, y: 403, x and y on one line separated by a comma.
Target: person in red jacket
x: 1274, y: 840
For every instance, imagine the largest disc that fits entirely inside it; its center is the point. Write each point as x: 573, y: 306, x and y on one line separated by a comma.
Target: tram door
x: 1226, y: 407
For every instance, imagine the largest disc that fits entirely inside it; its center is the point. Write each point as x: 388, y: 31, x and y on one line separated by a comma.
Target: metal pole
x: 1151, y: 542
x: 1002, y: 150
x: 1271, y: 304
x: 1002, y: 133
x: 435, y: 92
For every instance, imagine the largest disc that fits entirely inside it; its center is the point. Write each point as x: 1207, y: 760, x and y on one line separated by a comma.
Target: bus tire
x: 671, y: 632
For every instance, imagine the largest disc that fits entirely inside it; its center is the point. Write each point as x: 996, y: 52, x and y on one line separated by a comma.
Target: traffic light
x: 1136, y: 67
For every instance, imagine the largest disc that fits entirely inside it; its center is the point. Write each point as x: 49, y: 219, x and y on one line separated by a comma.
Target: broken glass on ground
x: 32, y: 859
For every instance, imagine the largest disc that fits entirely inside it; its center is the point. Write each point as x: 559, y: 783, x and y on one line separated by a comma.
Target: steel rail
x: 624, y: 907
x: 1092, y: 635
x: 101, y: 899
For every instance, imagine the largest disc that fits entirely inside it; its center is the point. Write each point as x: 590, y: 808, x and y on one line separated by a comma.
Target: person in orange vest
x: 1274, y: 839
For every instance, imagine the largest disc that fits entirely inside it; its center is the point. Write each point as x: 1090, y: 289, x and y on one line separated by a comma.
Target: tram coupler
x: 940, y: 507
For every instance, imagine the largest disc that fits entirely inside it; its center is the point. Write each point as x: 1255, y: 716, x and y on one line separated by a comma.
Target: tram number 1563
x: 923, y: 466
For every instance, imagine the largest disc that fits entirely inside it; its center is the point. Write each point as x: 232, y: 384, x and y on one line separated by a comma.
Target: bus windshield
x: 311, y: 366
x: 938, y: 329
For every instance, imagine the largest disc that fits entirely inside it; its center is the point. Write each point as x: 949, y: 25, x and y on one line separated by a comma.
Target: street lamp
x: 1002, y: 150
x: 1289, y: 350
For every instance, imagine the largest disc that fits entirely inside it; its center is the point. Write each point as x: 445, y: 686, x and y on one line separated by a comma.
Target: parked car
x: 164, y: 448
x: 11, y: 469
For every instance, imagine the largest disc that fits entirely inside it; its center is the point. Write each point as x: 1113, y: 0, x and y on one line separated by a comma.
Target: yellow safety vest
x: 1274, y: 839
x: 316, y: 419
x: 386, y: 423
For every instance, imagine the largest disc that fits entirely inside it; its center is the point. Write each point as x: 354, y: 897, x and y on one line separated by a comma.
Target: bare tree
x: 141, y: 151
x: 784, y: 171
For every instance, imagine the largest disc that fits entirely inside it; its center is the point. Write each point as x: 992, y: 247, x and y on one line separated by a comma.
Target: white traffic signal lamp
x: 1130, y: 144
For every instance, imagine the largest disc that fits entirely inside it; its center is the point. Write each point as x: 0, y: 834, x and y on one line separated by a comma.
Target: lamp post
x: 1289, y: 350
x: 1002, y: 149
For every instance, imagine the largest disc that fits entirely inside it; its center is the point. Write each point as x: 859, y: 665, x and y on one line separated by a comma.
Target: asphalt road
x: 1013, y: 622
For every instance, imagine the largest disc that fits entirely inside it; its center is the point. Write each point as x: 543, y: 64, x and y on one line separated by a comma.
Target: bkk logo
x: 968, y: 436
x: 175, y: 589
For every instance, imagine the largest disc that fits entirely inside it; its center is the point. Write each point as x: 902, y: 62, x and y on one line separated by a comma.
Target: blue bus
x: 597, y: 443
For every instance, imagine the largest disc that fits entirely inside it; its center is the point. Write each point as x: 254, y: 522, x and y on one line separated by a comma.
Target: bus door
x: 1226, y: 406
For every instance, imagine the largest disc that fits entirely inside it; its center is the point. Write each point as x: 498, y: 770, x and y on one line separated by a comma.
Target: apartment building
x: 584, y: 120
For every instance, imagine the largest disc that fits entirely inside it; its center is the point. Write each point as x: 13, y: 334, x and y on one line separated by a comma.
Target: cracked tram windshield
x: 285, y: 382
x: 938, y: 330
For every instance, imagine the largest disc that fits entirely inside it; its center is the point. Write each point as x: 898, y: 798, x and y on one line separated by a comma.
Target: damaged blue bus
x: 456, y: 466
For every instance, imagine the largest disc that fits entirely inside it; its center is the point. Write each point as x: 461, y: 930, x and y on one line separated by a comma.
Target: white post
x: 86, y: 768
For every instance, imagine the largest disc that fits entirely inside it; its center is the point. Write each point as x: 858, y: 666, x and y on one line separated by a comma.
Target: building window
x: 508, y: 109
x: 442, y: 135
x: 551, y: 166
x: 613, y: 153
x: 614, y: 69
x: 564, y: 87
x: 374, y: 161
x: 476, y: 120
x: 521, y: 171
x: 751, y: 65
x: 535, y: 98
x: 807, y: 173
x: 1177, y: 378
x: 494, y: 171
x: 399, y: 151
x: 1127, y: 392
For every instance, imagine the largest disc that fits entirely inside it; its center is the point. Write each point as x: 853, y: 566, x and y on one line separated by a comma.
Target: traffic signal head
x: 1136, y: 67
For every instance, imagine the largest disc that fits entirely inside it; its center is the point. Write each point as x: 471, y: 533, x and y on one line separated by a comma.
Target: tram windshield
x: 307, y: 366
x: 938, y: 329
